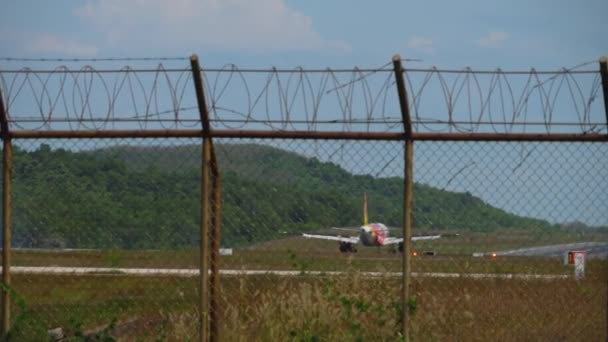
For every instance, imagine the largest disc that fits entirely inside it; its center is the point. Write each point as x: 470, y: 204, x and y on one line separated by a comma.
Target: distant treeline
x: 149, y: 197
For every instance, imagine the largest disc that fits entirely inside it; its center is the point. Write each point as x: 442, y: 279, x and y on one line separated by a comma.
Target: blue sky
x: 482, y: 34
x: 515, y: 34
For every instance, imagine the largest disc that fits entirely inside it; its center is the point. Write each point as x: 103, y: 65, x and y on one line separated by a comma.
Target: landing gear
x: 347, y: 247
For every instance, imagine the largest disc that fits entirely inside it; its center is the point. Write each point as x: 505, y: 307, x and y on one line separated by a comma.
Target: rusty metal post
x: 604, y: 75
x: 7, y: 170
x: 214, y: 289
x: 407, y: 234
x: 204, y: 245
x: 205, y: 212
x: 407, y: 197
x: 402, y: 92
x: 200, y: 95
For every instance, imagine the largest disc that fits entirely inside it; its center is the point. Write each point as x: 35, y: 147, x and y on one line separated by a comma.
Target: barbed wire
x: 497, y: 95
x: 100, y: 59
x: 364, y: 99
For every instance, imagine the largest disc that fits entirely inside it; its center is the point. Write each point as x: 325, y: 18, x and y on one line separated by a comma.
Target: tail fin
x: 364, y: 209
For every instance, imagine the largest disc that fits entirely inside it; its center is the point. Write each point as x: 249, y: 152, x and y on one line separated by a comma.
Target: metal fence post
x: 407, y: 196
x: 204, y: 245
x: 604, y: 75
x: 205, y: 205
x: 7, y: 168
x: 214, y: 281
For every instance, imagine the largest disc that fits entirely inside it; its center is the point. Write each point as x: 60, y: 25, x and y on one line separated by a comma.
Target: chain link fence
x: 496, y: 206
x: 288, y: 228
x: 99, y: 229
x: 106, y: 236
x: 283, y: 286
x: 492, y: 277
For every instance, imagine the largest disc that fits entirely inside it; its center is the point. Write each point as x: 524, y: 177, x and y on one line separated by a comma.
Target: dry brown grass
x: 353, y: 307
x: 303, y: 308
x: 348, y: 307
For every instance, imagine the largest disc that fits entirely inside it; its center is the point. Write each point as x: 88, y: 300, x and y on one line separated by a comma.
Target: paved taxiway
x: 593, y: 249
x: 108, y: 271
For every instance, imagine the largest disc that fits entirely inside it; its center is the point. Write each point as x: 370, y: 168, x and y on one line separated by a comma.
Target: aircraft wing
x: 349, y: 239
x: 426, y: 237
x: 392, y: 241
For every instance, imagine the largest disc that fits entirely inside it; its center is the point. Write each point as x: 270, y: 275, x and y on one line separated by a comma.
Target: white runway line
x: 96, y: 271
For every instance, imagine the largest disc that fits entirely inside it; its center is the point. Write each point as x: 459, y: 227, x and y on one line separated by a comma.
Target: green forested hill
x: 149, y: 197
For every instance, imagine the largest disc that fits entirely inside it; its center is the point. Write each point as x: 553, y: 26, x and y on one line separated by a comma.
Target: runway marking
x: 109, y: 271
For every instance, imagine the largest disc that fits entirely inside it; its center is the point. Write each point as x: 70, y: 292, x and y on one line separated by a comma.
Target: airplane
x: 370, y: 234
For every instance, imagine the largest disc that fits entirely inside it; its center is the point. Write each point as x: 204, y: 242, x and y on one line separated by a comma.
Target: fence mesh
x: 498, y: 204
x: 278, y: 286
x: 99, y: 229
x: 483, y: 198
x: 110, y: 235
x: 106, y: 236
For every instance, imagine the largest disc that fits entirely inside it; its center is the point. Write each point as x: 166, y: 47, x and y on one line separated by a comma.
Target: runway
x: 593, y: 249
x: 155, y: 272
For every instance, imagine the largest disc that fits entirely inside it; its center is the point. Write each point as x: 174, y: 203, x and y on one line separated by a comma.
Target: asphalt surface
x: 593, y: 249
x: 108, y: 271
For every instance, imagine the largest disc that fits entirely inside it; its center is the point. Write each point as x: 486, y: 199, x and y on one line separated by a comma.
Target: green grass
x: 295, y: 253
x: 88, y: 303
x: 184, y: 258
x: 368, y: 259
x: 348, y: 307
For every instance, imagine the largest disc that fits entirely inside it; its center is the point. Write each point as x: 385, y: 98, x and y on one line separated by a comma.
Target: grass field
x: 294, y: 253
x: 347, y: 307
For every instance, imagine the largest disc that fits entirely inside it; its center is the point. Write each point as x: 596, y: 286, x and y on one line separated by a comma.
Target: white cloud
x: 44, y: 43
x: 423, y: 44
x: 226, y: 24
x: 493, y: 39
